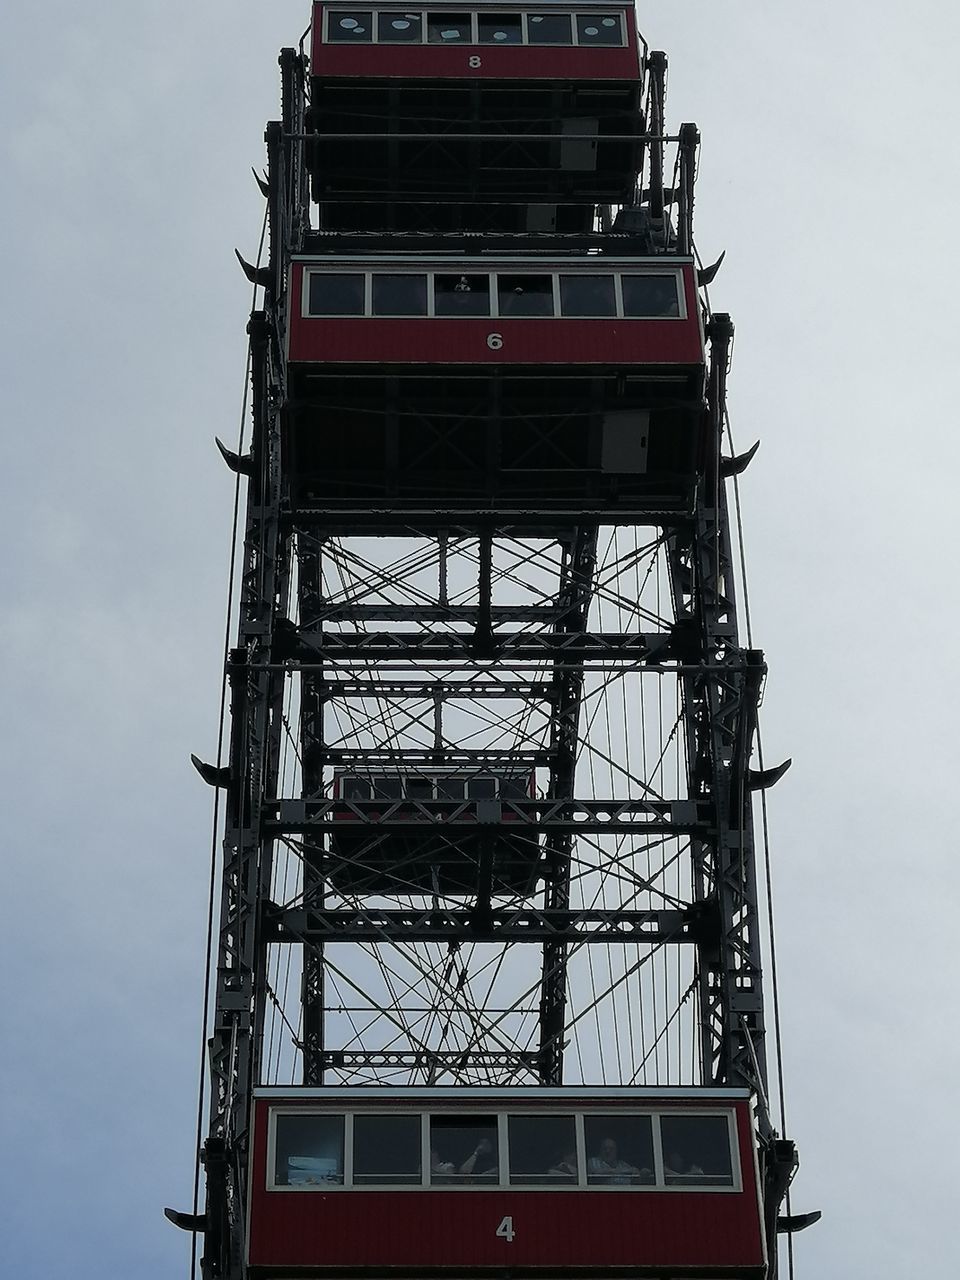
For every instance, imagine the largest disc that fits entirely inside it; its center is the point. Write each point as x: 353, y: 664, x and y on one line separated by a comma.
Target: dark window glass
x: 525, y: 295
x: 386, y: 1150
x: 696, y: 1151
x: 650, y: 296
x: 355, y: 788
x: 598, y: 28
x: 449, y: 28
x: 387, y: 788
x: 419, y: 788
x: 500, y: 28
x: 543, y: 1150
x: 350, y: 27
x: 482, y: 789
x: 399, y: 28
x: 461, y: 295
x: 450, y: 788
x: 399, y: 295
x: 516, y: 788
x: 619, y: 1150
x: 463, y: 1149
x: 549, y: 28
x: 587, y: 296
x: 335, y: 295
x: 309, y: 1151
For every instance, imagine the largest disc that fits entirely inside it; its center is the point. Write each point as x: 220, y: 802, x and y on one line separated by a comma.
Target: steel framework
x: 591, y: 643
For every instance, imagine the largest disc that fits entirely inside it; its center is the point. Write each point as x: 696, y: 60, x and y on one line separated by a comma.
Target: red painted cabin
x: 547, y: 1182
x: 475, y: 118
x: 495, y: 379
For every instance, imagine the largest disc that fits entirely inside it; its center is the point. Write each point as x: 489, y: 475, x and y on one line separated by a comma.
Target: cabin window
x: 500, y: 28
x: 399, y: 295
x: 450, y: 788
x: 352, y: 788
x: 308, y: 1151
x: 522, y: 295
x: 399, y: 28
x: 419, y: 788
x: 389, y: 788
x: 549, y: 28
x: 619, y: 1150
x: 598, y: 28
x: 588, y: 296
x: 464, y: 1150
x: 482, y: 789
x: 332, y: 294
x: 696, y: 1151
x: 386, y: 1151
x: 517, y: 788
x: 449, y: 28
x: 543, y: 1151
x: 461, y: 295
x: 650, y: 296
x: 350, y: 26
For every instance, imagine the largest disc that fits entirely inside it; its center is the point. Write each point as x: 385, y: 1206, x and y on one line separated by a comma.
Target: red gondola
x: 547, y: 1182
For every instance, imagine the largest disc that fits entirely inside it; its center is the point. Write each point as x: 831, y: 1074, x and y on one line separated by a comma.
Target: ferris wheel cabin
x: 499, y: 381
x: 431, y: 831
x: 481, y: 118
x: 432, y: 1182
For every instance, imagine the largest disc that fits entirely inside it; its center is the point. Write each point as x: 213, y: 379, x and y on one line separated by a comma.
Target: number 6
x: 505, y: 1230
x: 495, y: 342
x: 474, y: 60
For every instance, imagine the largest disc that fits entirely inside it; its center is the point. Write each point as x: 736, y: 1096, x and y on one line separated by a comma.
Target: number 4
x: 505, y: 1230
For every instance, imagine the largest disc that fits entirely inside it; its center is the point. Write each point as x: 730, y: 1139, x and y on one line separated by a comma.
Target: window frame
x: 524, y: 14
x: 503, y: 1184
x: 493, y: 274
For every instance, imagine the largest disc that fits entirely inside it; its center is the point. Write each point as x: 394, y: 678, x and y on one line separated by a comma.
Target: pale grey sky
x: 828, y: 175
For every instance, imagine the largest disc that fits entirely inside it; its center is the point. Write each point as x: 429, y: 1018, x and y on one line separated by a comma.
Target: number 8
x: 474, y: 60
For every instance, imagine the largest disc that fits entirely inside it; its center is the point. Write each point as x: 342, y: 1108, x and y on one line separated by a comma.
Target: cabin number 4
x: 505, y: 1230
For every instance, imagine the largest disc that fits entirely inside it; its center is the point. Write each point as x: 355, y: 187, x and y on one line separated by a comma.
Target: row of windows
x: 505, y: 294
x: 321, y: 1150
x: 425, y: 787
x: 419, y: 26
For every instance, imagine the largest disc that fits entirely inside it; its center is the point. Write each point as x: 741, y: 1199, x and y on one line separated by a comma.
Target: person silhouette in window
x: 482, y: 1161
x: 565, y: 1167
x: 606, y: 1166
x: 676, y: 1165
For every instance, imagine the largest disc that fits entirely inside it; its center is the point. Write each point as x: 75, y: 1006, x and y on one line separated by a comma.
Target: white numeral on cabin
x: 474, y: 60
x: 505, y: 1230
x: 494, y: 341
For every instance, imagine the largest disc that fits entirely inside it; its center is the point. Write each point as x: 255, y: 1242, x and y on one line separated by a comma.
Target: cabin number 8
x: 505, y: 1230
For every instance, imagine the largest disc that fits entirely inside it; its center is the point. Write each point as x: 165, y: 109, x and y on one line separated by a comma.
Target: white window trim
x: 658, y: 1187
x: 493, y: 274
x: 524, y: 14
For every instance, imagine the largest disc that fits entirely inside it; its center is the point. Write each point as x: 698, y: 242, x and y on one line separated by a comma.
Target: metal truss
x: 588, y: 913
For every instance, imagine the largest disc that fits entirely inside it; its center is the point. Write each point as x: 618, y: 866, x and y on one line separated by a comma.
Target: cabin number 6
x: 505, y: 1230
x: 494, y: 341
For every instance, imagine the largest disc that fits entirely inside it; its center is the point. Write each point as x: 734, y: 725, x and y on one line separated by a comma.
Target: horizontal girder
x: 589, y: 817
x: 492, y: 925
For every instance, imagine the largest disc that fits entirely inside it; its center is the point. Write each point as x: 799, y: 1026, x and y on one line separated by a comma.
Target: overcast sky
x: 829, y: 176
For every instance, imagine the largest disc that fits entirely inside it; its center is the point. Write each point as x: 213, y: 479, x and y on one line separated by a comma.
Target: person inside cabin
x: 462, y: 285
x: 676, y: 1165
x: 565, y: 1168
x: 607, y: 1167
x: 438, y: 1166
x: 482, y: 1161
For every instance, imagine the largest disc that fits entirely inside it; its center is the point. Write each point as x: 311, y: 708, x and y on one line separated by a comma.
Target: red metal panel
x: 513, y: 62
x: 553, y: 1230
x: 412, y: 340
